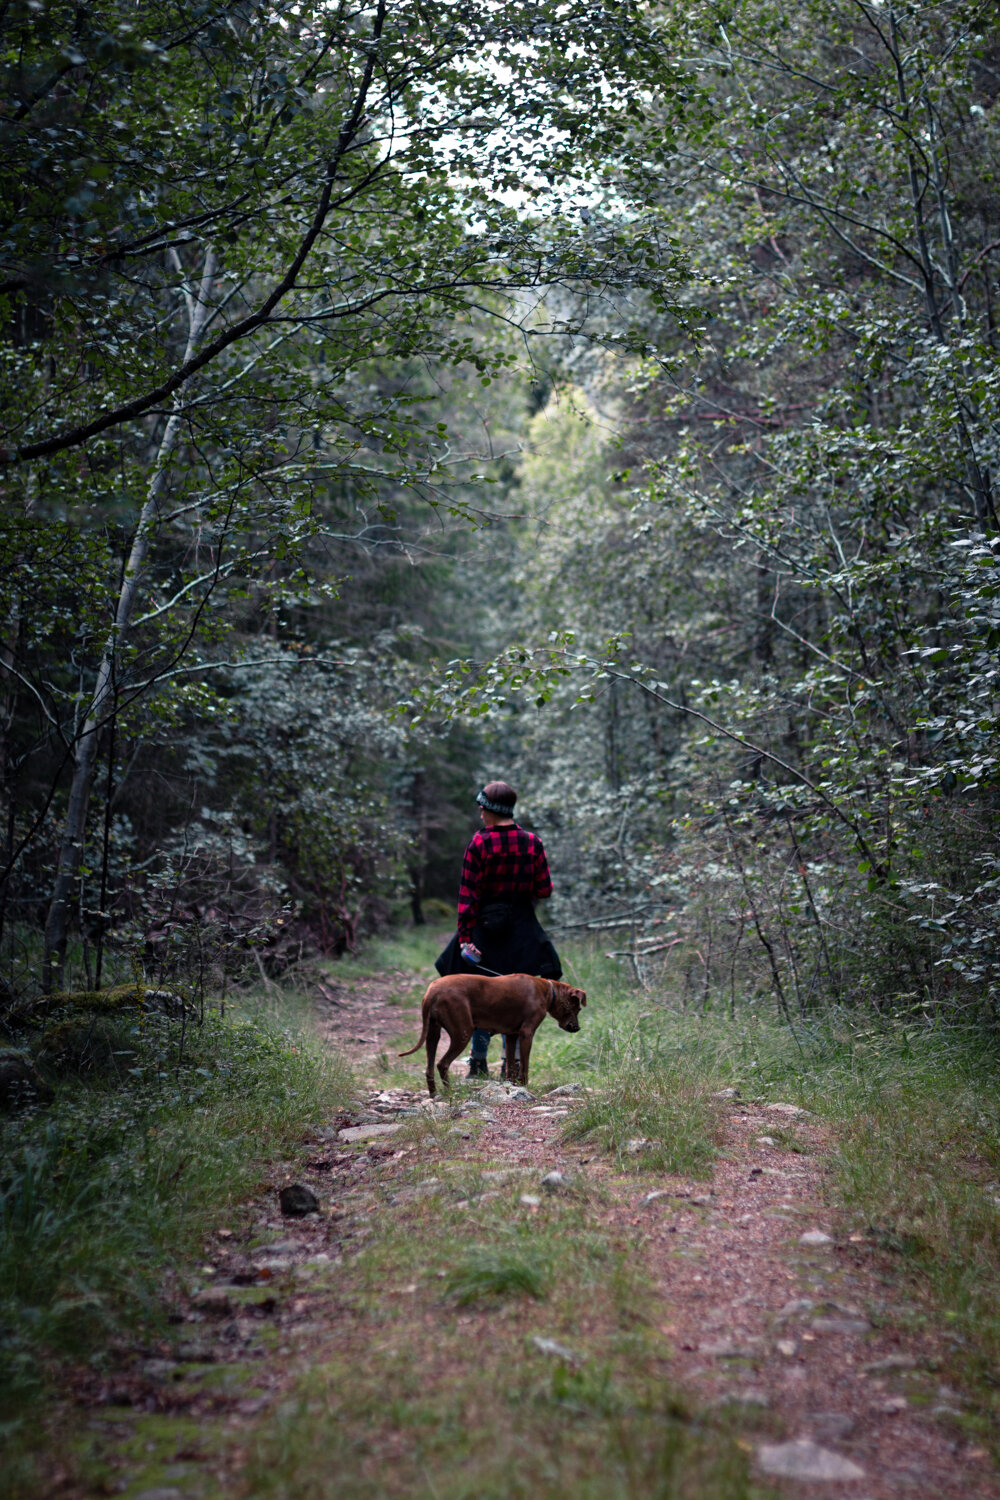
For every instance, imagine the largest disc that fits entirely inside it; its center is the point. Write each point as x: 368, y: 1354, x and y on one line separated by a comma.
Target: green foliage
x: 108, y: 1192
x: 754, y: 597
x: 244, y: 264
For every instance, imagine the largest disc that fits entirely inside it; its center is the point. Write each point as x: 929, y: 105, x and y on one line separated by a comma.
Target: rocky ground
x: 764, y: 1304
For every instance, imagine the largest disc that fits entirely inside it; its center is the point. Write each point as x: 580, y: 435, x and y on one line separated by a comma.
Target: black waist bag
x: 496, y: 918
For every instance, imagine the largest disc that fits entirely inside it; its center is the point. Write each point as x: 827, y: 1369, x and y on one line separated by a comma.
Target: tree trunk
x: 85, y: 752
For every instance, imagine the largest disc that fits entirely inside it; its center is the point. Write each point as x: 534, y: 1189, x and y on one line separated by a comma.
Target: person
x: 504, y: 872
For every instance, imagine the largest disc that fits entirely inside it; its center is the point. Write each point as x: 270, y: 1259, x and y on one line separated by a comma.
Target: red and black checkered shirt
x: 500, y: 863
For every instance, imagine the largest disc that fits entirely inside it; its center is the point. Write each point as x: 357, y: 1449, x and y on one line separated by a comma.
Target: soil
x: 826, y: 1337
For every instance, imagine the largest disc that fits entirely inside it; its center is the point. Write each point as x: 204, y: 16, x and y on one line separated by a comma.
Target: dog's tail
x: 420, y: 1043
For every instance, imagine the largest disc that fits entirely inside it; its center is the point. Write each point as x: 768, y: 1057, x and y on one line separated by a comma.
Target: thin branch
x: 739, y: 739
x: 77, y: 435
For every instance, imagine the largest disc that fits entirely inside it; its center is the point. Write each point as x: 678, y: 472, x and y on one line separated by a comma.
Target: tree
x: 214, y: 218
x: 809, y: 467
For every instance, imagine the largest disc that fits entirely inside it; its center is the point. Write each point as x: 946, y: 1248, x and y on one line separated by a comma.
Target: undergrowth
x: 497, y: 1346
x: 915, y: 1106
x: 106, y: 1191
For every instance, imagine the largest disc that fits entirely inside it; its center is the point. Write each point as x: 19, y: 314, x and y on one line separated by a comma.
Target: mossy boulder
x: 109, y: 1002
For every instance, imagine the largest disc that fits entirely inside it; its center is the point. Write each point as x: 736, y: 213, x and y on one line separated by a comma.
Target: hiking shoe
x: 478, y: 1068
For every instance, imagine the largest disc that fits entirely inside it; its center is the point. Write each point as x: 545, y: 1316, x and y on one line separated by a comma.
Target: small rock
x: 214, y: 1299
x: 253, y: 1405
x: 553, y: 1182
x: 493, y: 1093
x: 159, y: 1369
x: 726, y: 1094
x: 804, y: 1459
x: 787, y: 1347
x: 505, y: 1093
x: 656, y: 1193
x: 796, y: 1306
x: 892, y: 1406
x: 889, y: 1363
x: 563, y: 1089
x: 529, y: 1200
x: 829, y: 1426
x: 366, y: 1132
x: 701, y: 1200
x: 636, y: 1144
x: 297, y: 1201
x: 194, y: 1352
x: 558, y: 1351
x: 724, y: 1349
x: 793, y: 1111
x: 853, y: 1327
x: 742, y: 1398
x: 815, y: 1237
x: 765, y: 1140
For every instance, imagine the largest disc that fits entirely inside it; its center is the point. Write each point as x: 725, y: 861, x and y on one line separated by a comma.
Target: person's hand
x: 470, y: 953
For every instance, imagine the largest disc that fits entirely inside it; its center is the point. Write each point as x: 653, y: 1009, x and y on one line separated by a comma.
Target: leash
x: 493, y: 973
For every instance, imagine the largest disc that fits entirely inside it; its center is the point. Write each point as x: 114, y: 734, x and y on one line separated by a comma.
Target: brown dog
x: 515, y: 1004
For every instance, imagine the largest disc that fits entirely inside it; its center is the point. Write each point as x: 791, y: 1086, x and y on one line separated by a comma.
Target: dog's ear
x: 581, y: 996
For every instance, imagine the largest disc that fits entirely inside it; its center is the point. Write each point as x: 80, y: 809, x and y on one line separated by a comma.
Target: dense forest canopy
x: 600, y: 395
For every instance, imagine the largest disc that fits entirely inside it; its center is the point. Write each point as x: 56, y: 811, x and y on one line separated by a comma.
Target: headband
x: 494, y: 807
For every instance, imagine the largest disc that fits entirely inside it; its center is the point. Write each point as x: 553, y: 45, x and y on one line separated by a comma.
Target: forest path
x: 355, y: 1352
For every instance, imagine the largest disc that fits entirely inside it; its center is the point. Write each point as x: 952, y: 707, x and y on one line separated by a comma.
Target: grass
x: 408, y: 950
x: 435, y: 1389
x: 652, y: 1119
x: 915, y: 1110
x: 488, y: 1274
x: 110, y: 1191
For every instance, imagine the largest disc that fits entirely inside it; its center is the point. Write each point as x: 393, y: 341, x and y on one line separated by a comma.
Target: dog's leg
x: 433, y: 1037
x: 510, y: 1049
x: 526, y: 1037
x: 459, y: 1042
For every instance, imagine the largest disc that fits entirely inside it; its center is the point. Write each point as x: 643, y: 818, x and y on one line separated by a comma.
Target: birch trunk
x: 102, y: 700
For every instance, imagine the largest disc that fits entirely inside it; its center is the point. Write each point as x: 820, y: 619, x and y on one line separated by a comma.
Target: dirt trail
x: 804, y: 1341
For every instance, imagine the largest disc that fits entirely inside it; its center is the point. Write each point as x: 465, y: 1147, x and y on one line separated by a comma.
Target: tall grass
x: 121, y: 1177
x: 914, y: 1106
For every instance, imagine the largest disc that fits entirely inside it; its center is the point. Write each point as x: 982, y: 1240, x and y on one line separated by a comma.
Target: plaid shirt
x: 499, y: 863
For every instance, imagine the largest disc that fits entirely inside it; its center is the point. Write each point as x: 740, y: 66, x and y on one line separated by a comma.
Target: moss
x: 104, y: 1002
